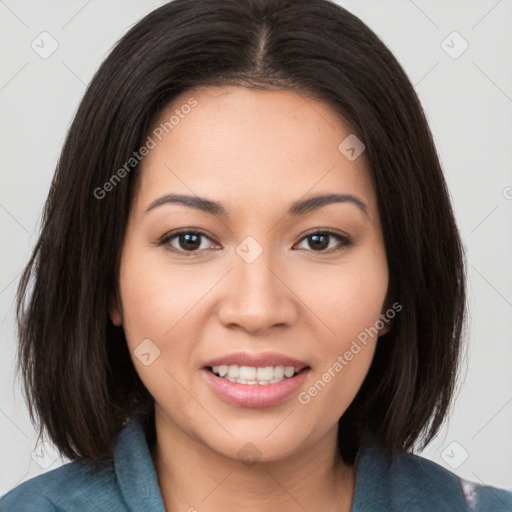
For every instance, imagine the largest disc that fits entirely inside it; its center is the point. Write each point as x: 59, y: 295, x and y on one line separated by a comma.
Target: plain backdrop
x: 458, y: 56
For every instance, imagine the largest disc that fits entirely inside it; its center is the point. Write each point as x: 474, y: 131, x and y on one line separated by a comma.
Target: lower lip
x: 254, y: 395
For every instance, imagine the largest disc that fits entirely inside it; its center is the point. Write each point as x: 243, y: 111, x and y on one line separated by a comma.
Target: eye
x: 186, y: 241
x: 319, y: 240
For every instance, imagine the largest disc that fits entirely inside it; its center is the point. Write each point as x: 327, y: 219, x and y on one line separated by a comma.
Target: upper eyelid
x: 313, y: 231
x: 172, y: 234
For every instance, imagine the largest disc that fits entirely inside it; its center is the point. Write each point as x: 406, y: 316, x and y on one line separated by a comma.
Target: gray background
x: 468, y: 101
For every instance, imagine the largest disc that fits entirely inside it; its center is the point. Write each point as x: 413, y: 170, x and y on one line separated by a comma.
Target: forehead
x: 250, y: 145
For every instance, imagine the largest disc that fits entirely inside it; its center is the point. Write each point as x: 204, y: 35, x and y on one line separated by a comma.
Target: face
x: 253, y: 285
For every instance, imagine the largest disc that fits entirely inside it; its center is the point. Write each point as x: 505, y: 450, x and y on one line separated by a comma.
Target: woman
x: 249, y: 288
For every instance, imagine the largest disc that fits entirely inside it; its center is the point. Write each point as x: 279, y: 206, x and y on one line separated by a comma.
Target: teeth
x: 233, y: 371
x: 247, y: 373
x: 289, y: 371
x: 278, y: 372
x: 251, y: 375
x: 267, y: 373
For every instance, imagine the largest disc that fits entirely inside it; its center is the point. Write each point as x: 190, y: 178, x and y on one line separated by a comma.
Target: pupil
x: 187, y: 238
x: 322, y: 245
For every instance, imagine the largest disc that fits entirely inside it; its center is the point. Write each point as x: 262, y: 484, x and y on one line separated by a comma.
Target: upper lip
x: 258, y: 360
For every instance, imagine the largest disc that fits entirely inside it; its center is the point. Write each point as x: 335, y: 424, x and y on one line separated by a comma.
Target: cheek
x: 145, y: 304
x: 156, y: 299
x: 349, y: 302
x: 336, y: 382
x: 156, y: 296
x: 348, y: 298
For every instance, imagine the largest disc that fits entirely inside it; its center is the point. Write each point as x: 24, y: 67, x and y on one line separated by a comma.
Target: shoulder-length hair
x: 78, y: 376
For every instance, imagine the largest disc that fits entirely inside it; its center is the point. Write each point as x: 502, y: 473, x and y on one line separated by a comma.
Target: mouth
x: 253, y: 375
x: 250, y: 379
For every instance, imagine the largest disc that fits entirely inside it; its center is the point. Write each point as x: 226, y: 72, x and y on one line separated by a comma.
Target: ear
x: 386, y: 328
x: 388, y: 322
x: 114, y: 309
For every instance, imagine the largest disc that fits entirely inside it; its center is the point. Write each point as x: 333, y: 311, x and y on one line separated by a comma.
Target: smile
x: 252, y: 375
x: 266, y: 390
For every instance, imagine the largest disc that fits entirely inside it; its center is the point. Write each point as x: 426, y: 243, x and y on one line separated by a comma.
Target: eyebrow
x: 300, y: 207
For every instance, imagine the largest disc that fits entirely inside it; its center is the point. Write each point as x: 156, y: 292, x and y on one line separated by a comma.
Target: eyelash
x: 345, y: 241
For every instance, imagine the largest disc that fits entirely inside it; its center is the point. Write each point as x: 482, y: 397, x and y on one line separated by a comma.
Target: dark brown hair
x: 78, y: 376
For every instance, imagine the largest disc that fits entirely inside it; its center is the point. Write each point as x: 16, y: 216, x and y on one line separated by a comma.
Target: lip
x: 254, y: 395
x: 258, y: 360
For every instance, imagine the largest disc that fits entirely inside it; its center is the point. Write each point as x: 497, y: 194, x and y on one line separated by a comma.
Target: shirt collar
x: 138, y: 481
x: 135, y: 470
x: 380, y: 483
x: 404, y: 482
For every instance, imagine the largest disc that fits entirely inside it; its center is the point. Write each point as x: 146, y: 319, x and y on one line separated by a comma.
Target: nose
x: 257, y: 296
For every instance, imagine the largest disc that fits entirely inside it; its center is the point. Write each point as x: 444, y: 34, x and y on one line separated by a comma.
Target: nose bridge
x: 257, y: 297
x: 252, y: 272
x: 253, y: 265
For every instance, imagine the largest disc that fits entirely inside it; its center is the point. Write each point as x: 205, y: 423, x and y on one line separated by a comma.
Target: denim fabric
x: 129, y: 482
x: 408, y: 483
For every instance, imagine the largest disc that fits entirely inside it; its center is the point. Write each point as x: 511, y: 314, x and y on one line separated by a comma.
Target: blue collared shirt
x: 408, y: 483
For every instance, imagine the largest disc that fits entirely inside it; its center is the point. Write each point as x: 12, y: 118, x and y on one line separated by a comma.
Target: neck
x: 194, y: 478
